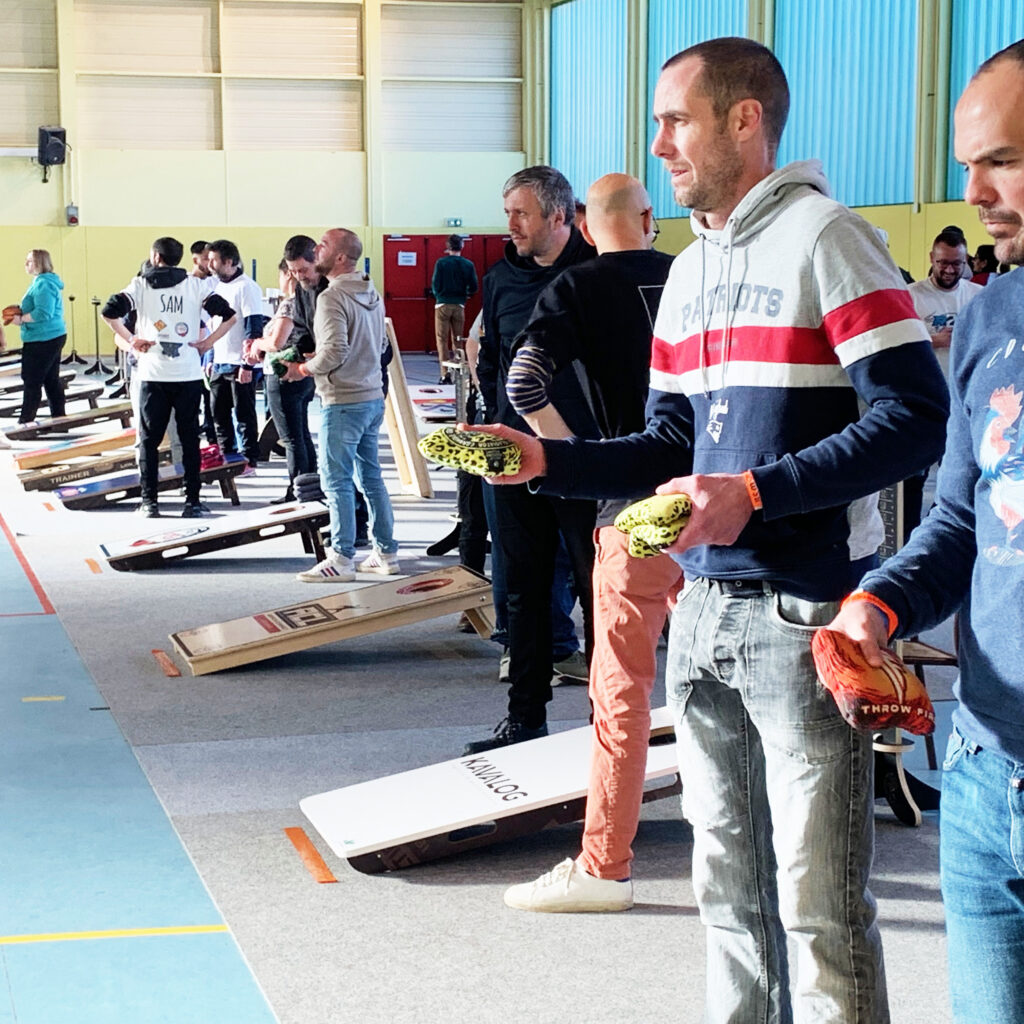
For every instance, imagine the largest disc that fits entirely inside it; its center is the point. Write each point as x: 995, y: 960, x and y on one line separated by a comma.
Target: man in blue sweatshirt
x: 968, y: 557
x: 790, y: 380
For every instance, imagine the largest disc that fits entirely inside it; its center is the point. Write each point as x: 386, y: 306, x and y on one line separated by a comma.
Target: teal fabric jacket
x: 43, y: 300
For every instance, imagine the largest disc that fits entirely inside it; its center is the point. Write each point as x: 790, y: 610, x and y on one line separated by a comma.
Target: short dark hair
x: 300, y: 247
x: 169, y: 249
x: 199, y: 246
x: 735, y: 69
x: 550, y: 186
x: 1015, y: 51
x: 455, y: 243
x: 951, y: 236
x: 226, y: 251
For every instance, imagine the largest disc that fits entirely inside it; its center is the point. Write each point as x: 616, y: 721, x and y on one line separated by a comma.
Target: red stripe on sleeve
x: 868, y: 313
x: 803, y: 346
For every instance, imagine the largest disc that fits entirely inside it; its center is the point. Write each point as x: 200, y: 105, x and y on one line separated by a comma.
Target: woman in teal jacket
x: 43, y: 333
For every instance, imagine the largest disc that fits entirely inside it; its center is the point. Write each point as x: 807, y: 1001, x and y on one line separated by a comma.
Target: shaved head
x: 619, y: 215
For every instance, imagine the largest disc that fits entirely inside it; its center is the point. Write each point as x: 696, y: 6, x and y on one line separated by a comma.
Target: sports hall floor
x: 145, y: 873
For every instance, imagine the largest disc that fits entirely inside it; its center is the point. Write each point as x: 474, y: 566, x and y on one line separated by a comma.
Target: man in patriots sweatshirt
x: 790, y: 380
x: 968, y: 556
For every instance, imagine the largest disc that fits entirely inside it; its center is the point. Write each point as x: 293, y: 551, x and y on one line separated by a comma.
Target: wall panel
x: 452, y: 116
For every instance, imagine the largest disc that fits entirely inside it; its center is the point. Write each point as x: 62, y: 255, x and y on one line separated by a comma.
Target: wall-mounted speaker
x: 53, y: 145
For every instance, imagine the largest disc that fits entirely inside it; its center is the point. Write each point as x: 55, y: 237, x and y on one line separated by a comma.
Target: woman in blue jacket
x: 43, y: 333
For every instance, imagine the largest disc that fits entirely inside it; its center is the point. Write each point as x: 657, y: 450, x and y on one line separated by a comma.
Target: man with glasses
x: 940, y: 297
x: 597, y: 318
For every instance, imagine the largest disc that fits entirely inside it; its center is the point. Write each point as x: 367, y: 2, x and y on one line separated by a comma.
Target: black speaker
x: 52, y: 145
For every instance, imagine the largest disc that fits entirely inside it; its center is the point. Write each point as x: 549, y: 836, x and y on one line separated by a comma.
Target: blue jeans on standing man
x: 779, y: 791
x: 348, y: 444
x: 981, y: 850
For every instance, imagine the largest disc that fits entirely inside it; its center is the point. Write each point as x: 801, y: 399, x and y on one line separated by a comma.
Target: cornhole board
x: 196, y: 538
x: 106, y: 490
x: 64, y: 451
x: 11, y: 386
x: 91, y: 393
x: 338, y: 616
x: 63, y: 424
x: 51, y: 477
x: 400, y: 421
x: 433, y: 403
x: 474, y: 800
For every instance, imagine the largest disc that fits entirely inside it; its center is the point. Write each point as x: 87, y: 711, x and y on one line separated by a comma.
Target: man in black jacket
x: 540, y: 206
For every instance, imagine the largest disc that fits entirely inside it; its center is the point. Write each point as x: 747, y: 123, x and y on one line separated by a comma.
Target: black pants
x: 157, y: 400
x: 289, y: 409
x: 528, y: 529
x: 228, y: 395
x: 40, y: 370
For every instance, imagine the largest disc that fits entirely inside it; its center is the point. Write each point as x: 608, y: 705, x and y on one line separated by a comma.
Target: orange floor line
x: 315, y: 864
x: 163, y: 659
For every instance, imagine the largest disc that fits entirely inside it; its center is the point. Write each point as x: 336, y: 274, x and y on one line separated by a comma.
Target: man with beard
x: 777, y: 326
x: 968, y: 556
x: 940, y: 296
x: 346, y: 367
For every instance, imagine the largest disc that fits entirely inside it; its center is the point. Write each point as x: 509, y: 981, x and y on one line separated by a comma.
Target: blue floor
x: 86, y: 848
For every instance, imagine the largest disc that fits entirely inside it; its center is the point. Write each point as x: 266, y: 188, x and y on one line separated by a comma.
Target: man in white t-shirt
x: 168, y: 306
x: 940, y: 297
x: 233, y: 382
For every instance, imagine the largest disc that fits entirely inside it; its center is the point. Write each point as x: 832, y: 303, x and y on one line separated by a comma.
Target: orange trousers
x: 632, y: 597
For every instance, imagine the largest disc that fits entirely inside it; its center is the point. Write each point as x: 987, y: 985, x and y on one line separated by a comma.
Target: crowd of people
x: 780, y: 373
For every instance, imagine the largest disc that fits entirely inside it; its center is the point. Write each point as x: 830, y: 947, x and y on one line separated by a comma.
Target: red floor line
x: 48, y: 608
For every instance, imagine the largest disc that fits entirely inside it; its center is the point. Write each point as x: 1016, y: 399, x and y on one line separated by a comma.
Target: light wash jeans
x: 779, y: 792
x: 981, y: 848
x: 348, y: 443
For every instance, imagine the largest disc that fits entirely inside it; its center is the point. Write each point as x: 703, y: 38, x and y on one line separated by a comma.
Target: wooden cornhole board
x: 474, y: 800
x: 50, y: 477
x: 12, y: 386
x: 198, y: 537
x: 400, y: 422
x: 63, y: 424
x: 91, y: 393
x: 63, y: 451
x: 337, y: 616
x: 106, y: 490
x: 433, y: 403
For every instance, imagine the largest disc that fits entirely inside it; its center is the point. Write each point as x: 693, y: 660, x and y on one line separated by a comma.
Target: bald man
x: 597, y: 319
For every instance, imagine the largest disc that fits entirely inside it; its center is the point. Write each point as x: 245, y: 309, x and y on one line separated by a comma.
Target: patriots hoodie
x: 786, y: 344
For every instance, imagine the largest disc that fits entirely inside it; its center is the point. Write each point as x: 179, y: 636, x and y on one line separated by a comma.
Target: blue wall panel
x: 673, y: 26
x: 588, y: 90
x: 851, y: 66
x: 980, y: 28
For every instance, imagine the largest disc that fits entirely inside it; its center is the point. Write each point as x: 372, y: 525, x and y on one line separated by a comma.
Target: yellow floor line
x: 30, y: 700
x: 124, y: 933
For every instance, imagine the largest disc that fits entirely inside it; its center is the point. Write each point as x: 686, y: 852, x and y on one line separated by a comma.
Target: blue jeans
x: 779, y: 792
x: 289, y: 408
x: 348, y: 444
x: 981, y: 848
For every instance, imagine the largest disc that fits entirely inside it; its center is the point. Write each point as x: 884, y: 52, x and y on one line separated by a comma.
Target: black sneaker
x: 508, y: 731
x: 194, y: 510
x: 285, y: 498
x: 149, y: 510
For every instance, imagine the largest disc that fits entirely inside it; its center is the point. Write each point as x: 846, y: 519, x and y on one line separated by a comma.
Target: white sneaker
x: 379, y: 562
x: 4, y: 443
x: 333, y: 569
x: 568, y: 889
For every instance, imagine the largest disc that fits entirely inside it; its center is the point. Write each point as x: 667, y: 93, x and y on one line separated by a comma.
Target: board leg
x: 481, y: 620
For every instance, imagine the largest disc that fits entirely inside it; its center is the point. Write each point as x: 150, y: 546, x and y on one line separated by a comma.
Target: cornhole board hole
x: 475, y: 800
x: 107, y: 490
x: 64, y: 451
x: 89, y: 394
x: 14, y: 386
x: 196, y: 538
x: 63, y: 424
x: 49, y: 478
x: 433, y: 403
x: 338, y: 616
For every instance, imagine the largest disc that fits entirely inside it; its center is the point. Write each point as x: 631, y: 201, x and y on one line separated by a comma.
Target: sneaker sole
x: 345, y: 578
x: 572, y: 908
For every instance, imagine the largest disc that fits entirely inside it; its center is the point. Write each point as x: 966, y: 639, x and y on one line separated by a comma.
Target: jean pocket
x: 955, y: 750
x: 799, y: 618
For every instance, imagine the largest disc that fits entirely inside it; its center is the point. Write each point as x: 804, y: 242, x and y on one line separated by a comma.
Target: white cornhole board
x: 324, y: 618
x: 433, y: 403
x: 196, y: 538
x: 472, y: 801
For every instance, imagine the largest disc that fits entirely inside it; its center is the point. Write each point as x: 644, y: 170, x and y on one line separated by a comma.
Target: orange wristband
x: 753, y: 493
x: 890, y: 616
